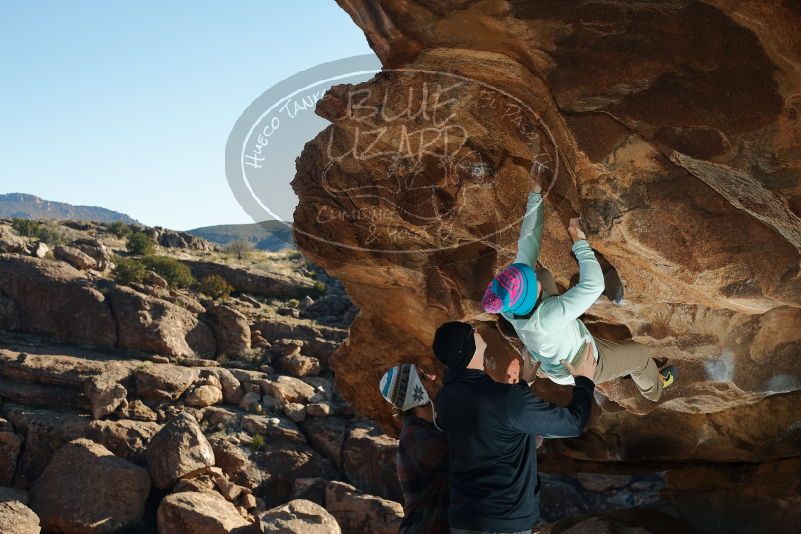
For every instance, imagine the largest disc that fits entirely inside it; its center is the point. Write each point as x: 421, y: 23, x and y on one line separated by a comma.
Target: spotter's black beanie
x: 454, y: 344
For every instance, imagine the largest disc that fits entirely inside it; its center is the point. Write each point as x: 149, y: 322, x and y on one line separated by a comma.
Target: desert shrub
x: 129, y: 270
x: 241, y: 249
x: 52, y: 234
x: 120, y: 229
x: 173, y: 271
x: 141, y: 244
x: 257, y: 442
x: 294, y: 255
x: 214, y: 286
x: 253, y: 356
x: 49, y: 233
x: 318, y: 289
x: 25, y: 227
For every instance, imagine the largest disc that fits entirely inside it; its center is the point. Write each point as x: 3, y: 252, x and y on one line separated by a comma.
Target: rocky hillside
x: 33, y: 207
x: 671, y: 127
x: 152, y: 406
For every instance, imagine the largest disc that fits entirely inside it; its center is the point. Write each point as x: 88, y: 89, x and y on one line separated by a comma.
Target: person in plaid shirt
x: 422, y: 453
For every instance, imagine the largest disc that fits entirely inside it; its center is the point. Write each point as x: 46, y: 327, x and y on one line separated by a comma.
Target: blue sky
x: 128, y: 105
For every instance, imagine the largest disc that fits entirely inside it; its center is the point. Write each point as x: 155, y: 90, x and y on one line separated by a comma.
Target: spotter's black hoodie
x: 491, y: 430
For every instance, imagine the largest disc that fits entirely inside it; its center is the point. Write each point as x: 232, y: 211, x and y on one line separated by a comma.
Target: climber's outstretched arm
x: 558, y: 311
x: 528, y: 246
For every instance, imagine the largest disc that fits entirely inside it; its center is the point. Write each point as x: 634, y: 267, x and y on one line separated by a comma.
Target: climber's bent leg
x: 616, y: 359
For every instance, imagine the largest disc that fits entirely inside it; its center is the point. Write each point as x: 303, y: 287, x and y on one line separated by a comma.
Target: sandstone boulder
x: 327, y: 435
x: 138, y: 411
x: 95, y: 249
x: 205, y: 395
x: 231, y: 387
x: 176, y: 239
x: 163, y: 381
x: 125, y: 438
x: 672, y: 196
x: 177, y: 450
x: 298, y: 365
x: 283, y: 461
x: 45, y: 431
x: 274, y: 429
x: 153, y: 279
x: 310, y: 488
x: 218, y: 415
x: 106, y: 396
x: 38, y: 249
x: 235, y: 462
x: 201, y: 513
x: 10, y: 241
x: 250, y: 401
x: 260, y: 283
x: 358, y: 512
x: 75, y: 311
x: 231, y: 329
x: 16, y: 518
x: 286, y: 347
x: 299, y: 517
x: 320, y: 409
x: 75, y: 257
x: 151, y: 324
x: 368, y: 458
x: 289, y: 389
x: 295, y: 411
x: 111, y: 493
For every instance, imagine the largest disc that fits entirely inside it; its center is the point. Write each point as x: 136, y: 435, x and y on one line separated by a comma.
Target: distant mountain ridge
x: 266, y: 235
x: 26, y: 206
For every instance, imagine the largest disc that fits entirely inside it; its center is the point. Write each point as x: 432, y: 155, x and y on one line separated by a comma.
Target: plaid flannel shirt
x: 423, y: 474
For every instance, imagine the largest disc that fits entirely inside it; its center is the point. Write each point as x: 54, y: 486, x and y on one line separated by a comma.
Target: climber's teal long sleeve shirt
x: 553, y: 332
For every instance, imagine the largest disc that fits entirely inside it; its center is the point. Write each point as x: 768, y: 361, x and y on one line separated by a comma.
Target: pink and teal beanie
x: 513, y: 290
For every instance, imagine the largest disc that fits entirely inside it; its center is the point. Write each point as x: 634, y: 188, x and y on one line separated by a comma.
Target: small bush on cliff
x: 240, y: 249
x: 129, y: 270
x: 214, y: 286
x: 173, y: 271
x: 49, y: 233
x: 25, y: 227
x: 52, y: 235
x: 120, y: 229
x: 141, y: 244
x: 257, y: 442
x: 318, y: 289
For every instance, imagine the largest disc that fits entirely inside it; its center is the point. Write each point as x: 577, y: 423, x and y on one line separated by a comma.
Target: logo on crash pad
x: 404, y: 160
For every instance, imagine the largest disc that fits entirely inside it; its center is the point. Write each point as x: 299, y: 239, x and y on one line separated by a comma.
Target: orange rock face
x: 671, y: 127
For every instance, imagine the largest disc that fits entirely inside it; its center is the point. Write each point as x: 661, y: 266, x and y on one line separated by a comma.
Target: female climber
x: 548, y: 323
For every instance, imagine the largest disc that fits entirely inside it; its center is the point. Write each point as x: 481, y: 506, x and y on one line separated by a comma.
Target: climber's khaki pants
x: 616, y: 359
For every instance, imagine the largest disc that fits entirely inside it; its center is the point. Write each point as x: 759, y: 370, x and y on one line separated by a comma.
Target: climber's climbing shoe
x: 669, y: 376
